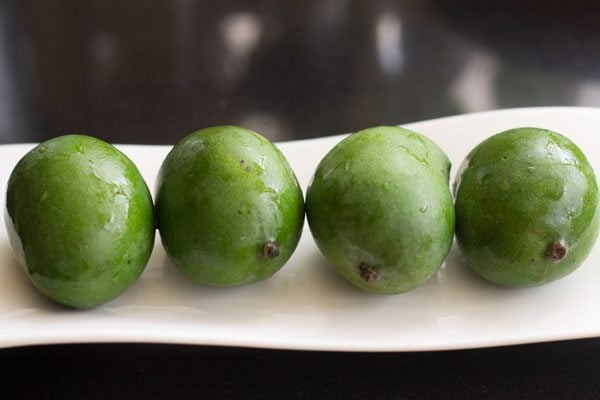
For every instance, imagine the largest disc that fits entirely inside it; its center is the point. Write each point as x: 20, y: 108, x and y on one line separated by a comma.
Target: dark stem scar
x: 271, y: 249
x: 557, y: 250
x: 367, y: 272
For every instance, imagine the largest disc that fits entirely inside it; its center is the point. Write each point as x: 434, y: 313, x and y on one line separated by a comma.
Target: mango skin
x: 229, y: 208
x: 526, y: 207
x: 80, y: 220
x: 380, y: 210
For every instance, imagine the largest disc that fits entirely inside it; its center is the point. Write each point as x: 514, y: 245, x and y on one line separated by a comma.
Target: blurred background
x: 141, y: 71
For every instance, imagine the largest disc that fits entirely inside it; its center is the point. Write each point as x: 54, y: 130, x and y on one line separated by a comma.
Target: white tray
x: 306, y: 305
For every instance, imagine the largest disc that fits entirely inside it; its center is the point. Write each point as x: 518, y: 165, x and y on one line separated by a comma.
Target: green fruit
x: 229, y: 208
x: 380, y: 209
x: 80, y: 220
x: 526, y: 207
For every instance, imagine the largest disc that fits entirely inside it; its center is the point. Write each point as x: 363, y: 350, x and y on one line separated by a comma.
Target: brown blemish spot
x: 367, y: 272
x: 247, y: 168
x: 531, y: 261
x: 557, y: 251
x: 271, y: 249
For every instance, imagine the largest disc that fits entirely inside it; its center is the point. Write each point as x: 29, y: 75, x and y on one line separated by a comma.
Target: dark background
x: 140, y: 71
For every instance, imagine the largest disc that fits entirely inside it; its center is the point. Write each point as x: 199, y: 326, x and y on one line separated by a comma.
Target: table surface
x: 151, y: 72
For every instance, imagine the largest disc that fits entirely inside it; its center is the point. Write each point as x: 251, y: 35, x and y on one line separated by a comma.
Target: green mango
x: 380, y: 209
x: 80, y: 220
x: 229, y: 208
x: 527, y: 208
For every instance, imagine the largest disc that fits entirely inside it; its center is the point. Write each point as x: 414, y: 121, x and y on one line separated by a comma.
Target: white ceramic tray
x: 306, y: 305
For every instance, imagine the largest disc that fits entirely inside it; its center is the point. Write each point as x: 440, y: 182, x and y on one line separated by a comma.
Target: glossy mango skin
x: 229, y: 208
x: 380, y: 210
x: 527, y: 209
x: 80, y: 220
